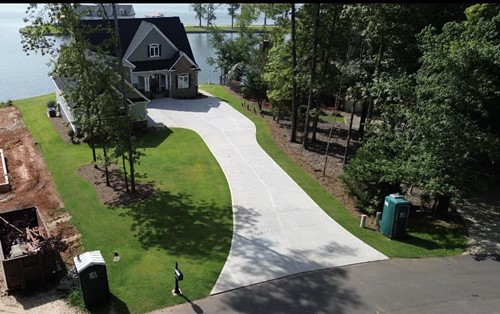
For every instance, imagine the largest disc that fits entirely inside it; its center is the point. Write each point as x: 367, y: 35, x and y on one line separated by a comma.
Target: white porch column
x: 146, y: 83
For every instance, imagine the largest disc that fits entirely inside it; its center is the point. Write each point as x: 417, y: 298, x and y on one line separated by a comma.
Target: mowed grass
x: 188, y: 219
x: 422, y: 241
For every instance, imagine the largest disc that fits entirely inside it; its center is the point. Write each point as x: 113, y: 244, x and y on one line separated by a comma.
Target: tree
x: 293, y: 130
x: 91, y: 74
x: 431, y: 123
x: 210, y: 13
x: 232, y: 8
x: 200, y: 11
x: 312, y: 79
x: 456, y: 85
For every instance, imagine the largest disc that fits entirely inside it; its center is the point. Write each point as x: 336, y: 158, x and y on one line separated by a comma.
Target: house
x: 156, y: 54
x: 136, y: 101
x: 157, y: 60
x: 95, y: 11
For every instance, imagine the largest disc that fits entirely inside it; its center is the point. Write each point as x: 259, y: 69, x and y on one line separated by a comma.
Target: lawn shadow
x: 152, y: 137
x: 176, y: 224
x: 445, y: 234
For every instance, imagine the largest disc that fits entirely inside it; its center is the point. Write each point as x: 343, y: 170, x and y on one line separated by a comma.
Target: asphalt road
x: 460, y: 284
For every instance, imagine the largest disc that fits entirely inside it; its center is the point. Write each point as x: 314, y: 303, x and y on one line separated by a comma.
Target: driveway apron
x: 278, y: 229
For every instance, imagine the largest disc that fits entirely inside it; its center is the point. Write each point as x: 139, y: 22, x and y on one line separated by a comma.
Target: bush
x: 51, y: 104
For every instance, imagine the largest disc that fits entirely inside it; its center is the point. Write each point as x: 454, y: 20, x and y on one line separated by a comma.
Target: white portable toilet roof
x: 87, y: 259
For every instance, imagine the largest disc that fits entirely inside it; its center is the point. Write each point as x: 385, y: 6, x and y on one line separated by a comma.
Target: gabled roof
x: 171, y: 27
x: 65, y: 85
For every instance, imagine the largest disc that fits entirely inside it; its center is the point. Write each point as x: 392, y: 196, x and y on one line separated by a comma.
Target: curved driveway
x: 278, y: 229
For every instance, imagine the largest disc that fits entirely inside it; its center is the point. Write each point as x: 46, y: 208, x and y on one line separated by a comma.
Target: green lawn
x: 331, y: 119
x: 422, y: 241
x: 188, y: 219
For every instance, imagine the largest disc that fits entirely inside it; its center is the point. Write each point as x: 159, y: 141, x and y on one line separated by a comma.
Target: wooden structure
x: 4, y: 177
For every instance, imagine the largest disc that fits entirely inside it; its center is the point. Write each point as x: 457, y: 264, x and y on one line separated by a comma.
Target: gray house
x: 96, y: 11
x: 157, y: 58
x: 157, y: 55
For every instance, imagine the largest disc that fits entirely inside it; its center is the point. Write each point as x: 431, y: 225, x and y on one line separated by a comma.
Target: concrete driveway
x: 278, y: 229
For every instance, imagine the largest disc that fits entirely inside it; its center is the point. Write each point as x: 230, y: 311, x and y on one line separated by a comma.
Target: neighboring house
x: 157, y: 55
x: 95, y: 11
x: 158, y: 62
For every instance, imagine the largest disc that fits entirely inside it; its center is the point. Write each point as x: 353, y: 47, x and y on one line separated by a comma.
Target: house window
x: 183, y: 81
x: 154, y: 50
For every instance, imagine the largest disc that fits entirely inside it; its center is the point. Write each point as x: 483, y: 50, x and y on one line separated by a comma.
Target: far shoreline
x: 189, y: 29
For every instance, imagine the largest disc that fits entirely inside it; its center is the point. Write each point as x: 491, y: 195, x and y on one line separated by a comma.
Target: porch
x: 152, y: 85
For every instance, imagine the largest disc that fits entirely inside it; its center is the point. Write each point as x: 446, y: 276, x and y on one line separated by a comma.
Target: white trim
x: 154, y: 48
x: 183, y: 75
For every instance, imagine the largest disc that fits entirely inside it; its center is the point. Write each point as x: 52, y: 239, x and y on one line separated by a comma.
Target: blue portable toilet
x: 395, y: 216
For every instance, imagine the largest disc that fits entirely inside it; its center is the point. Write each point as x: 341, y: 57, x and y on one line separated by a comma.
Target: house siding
x: 141, y: 52
x: 184, y: 66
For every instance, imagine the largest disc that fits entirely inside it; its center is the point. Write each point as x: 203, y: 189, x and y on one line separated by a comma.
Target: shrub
x: 51, y: 104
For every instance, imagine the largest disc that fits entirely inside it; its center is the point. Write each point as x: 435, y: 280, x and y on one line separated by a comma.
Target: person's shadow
x: 196, y: 308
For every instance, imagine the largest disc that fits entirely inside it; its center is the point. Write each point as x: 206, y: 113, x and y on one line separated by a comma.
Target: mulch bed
x: 114, y: 194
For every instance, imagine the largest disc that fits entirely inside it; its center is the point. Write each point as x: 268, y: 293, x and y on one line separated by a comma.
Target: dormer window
x: 154, y: 50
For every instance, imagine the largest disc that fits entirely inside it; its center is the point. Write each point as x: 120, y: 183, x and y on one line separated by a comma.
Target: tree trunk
x: 91, y: 134
x: 441, y: 205
x: 125, y: 173
x: 315, y: 126
x: 313, y: 77
x: 106, y: 170
x: 124, y: 99
x: 364, y: 113
x: 199, y: 19
x: 293, y: 134
x: 349, y: 133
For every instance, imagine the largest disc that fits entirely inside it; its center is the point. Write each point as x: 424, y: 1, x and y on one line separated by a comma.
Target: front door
x: 155, y: 83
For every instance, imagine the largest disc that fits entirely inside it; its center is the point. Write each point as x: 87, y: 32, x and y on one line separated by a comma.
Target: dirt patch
x: 32, y: 185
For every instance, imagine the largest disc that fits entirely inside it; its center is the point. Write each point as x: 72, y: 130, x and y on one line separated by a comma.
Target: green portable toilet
x: 395, y: 216
x: 91, y: 269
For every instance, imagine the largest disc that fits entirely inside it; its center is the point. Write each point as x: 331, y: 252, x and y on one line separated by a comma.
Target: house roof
x: 171, y: 27
x: 66, y: 85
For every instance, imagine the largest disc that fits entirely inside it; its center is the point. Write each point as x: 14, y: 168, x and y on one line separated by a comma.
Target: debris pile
x: 23, y: 236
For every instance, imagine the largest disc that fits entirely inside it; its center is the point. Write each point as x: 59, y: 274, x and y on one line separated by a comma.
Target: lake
x: 23, y: 76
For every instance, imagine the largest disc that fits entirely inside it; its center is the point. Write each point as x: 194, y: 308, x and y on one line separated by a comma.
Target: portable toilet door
x: 395, y: 216
x: 92, y: 273
x: 401, y: 220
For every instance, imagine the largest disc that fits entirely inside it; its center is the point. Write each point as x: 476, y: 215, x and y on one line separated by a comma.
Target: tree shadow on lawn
x: 177, y: 224
x: 443, y: 234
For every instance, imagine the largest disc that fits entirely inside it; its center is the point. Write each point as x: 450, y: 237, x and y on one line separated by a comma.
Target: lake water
x: 23, y: 76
